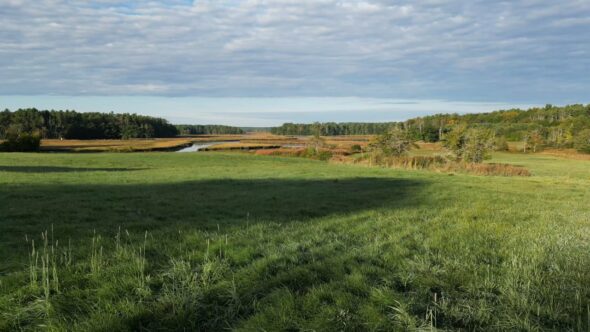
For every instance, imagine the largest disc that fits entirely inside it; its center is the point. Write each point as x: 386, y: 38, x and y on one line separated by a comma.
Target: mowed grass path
x: 214, y: 241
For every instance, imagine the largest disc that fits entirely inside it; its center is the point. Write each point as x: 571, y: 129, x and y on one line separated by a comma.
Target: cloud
x: 476, y: 50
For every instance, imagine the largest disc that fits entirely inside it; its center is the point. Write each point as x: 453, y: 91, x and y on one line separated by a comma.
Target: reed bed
x: 132, y: 145
x: 239, y: 146
x: 443, y: 164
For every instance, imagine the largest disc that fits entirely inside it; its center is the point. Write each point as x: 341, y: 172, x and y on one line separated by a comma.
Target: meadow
x: 214, y: 241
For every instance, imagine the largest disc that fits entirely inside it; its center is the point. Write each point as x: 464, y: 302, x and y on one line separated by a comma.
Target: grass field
x: 233, y: 241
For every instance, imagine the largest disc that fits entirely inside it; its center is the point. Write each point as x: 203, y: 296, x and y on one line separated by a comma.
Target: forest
x: 333, y: 128
x: 208, y: 130
x: 559, y: 127
x: 75, y: 125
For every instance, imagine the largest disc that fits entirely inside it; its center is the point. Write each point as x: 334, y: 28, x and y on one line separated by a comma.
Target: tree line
x: 74, y: 125
x: 556, y: 126
x: 334, y: 129
x: 549, y: 126
x: 208, y: 130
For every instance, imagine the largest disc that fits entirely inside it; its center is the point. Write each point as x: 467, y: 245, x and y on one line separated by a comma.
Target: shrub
x: 21, y: 142
x: 534, y: 140
x: 356, y: 149
x: 470, y: 145
x: 309, y: 152
x: 324, y: 155
x: 314, y: 153
x: 501, y: 144
x: 396, y: 142
x: 582, y: 141
x: 478, y: 144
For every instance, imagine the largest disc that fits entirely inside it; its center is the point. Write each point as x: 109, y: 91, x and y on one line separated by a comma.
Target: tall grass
x: 535, y: 282
x: 443, y: 164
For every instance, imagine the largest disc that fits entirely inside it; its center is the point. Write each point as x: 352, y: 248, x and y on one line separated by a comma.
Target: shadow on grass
x: 78, y: 209
x: 54, y: 169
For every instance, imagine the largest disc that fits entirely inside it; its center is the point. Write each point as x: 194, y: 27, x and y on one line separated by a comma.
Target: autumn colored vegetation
x: 130, y: 145
x: 537, y: 128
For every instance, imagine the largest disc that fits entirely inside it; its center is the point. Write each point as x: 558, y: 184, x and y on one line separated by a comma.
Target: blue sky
x: 262, y: 62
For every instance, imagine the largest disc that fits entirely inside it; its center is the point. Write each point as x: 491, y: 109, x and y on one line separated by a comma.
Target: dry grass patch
x: 286, y: 152
x: 301, y: 152
x: 351, y: 138
x: 240, y: 146
x: 214, y: 138
x: 567, y: 153
x: 346, y: 144
x: 495, y: 169
x: 430, y: 146
x: 158, y: 144
x: 276, y: 141
x: 440, y: 164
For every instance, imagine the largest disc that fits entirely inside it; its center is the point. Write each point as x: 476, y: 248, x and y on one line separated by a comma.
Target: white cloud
x: 477, y: 50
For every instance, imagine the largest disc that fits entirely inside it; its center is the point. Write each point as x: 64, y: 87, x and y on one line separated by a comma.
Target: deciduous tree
x: 396, y: 142
x: 471, y: 145
x: 582, y: 141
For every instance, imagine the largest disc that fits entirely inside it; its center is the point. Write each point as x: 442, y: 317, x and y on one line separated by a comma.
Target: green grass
x: 549, y: 167
x: 216, y: 241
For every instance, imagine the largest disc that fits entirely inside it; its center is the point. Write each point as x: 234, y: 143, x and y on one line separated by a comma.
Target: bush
x: 442, y: 164
x: 21, y: 142
x: 417, y: 162
x: 309, y: 152
x: 470, y: 144
x: 396, y: 142
x: 356, y: 148
x: 582, y: 141
x: 500, y: 144
x: 533, y: 140
x: 319, y: 154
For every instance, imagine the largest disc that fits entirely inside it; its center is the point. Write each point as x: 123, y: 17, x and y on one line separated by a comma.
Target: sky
x: 265, y: 62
